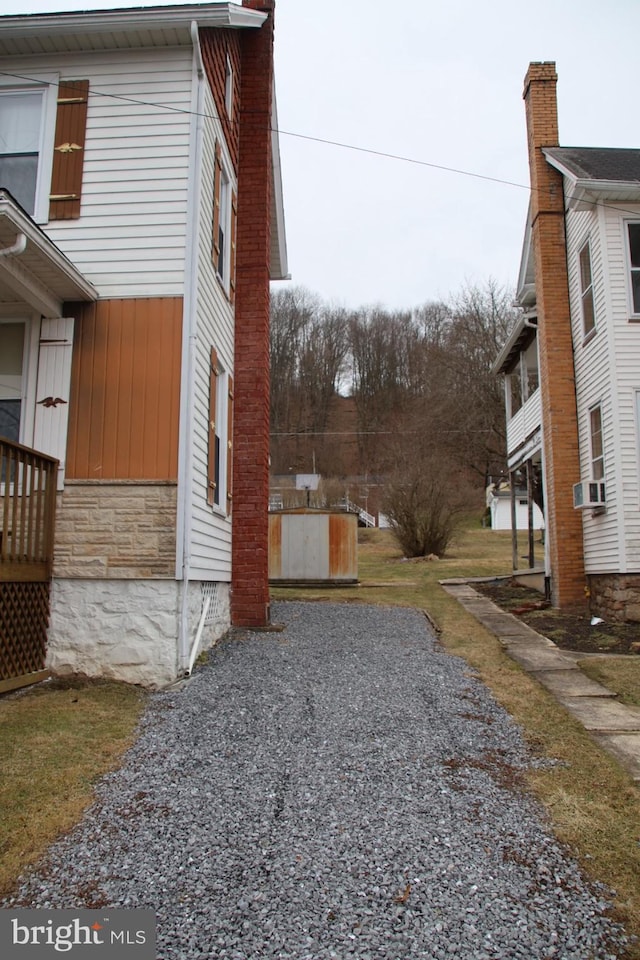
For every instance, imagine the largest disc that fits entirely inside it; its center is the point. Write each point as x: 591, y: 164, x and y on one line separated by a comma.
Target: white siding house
x: 120, y: 309
x: 601, y: 269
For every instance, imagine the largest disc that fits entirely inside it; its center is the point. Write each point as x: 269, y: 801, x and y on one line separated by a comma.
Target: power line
x: 323, y: 140
x: 285, y: 133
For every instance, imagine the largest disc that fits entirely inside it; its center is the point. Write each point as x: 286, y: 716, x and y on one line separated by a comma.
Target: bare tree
x: 425, y: 497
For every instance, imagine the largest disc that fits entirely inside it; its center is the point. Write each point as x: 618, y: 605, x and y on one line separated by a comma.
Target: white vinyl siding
x: 130, y: 238
x: 211, y: 527
x: 608, y: 372
x: 592, y: 360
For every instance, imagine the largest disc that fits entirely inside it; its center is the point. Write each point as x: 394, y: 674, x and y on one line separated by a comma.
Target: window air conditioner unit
x: 589, y: 494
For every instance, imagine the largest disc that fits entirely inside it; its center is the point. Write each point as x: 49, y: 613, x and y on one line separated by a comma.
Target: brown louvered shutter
x: 68, y: 156
x: 212, y: 453
x: 217, y: 188
x: 234, y: 234
x: 230, y: 446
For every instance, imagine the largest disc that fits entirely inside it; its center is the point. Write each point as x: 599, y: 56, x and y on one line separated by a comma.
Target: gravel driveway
x: 342, y: 789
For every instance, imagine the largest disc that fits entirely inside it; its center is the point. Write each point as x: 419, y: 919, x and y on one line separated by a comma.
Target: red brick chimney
x: 250, y: 525
x: 557, y: 379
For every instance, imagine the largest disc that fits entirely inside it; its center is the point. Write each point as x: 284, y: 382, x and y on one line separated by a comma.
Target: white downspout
x: 189, y: 345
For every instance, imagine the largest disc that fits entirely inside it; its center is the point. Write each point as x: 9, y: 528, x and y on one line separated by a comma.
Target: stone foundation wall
x: 129, y: 629
x: 120, y: 530
x: 615, y: 596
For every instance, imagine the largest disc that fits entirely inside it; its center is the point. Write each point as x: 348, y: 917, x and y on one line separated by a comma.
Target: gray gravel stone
x: 342, y: 789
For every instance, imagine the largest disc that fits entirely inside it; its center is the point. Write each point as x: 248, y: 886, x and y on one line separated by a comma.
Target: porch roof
x: 522, y: 333
x: 33, y: 271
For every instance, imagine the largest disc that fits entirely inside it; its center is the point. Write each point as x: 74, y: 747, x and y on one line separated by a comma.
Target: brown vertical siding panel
x: 171, y: 395
x: 119, y: 378
x: 275, y: 546
x: 152, y: 401
x: 98, y: 387
x: 124, y: 405
x: 342, y: 560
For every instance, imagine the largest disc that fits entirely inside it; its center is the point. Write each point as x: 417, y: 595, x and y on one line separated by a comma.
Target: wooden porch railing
x: 27, y: 513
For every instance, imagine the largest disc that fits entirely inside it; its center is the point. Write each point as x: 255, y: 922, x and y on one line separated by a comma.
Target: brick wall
x: 250, y: 575
x: 116, y: 531
x: 216, y: 45
x: 557, y: 380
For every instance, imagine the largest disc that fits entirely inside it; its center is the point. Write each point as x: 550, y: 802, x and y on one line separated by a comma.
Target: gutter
x: 15, y: 249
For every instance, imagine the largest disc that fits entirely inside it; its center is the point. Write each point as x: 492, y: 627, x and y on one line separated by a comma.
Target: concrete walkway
x: 613, y: 725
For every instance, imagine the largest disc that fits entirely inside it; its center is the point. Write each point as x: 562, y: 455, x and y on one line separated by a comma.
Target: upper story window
x: 633, y: 237
x: 20, y: 135
x: 586, y: 290
x: 228, y: 88
x: 223, y: 240
x: 597, y: 445
x: 42, y: 136
x: 220, y: 447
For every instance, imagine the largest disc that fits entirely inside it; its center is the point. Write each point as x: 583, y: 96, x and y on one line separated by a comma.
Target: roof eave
x: 279, y: 269
x: 584, y: 192
x: 25, y: 26
x: 81, y: 288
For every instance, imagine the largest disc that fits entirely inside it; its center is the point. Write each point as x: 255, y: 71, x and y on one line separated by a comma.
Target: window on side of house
x: 220, y: 442
x: 633, y: 238
x: 222, y: 266
x: 586, y: 290
x: 223, y: 238
x: 228, y: 88
x: 20, y: 135
x: 42, y: 136
x: 597, y: 445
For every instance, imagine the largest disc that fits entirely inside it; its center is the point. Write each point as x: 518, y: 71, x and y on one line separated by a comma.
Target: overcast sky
x: 439, y: 84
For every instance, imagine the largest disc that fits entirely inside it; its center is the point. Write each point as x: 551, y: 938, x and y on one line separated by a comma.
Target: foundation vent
x: 211, y: 591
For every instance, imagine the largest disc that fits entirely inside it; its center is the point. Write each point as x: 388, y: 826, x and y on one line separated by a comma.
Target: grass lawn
x: 622, y: 675
x: 56, y: 739
x: 593, y: 804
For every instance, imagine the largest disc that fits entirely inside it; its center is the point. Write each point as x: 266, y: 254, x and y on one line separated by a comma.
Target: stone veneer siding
x: 615, y: 596
x: 116, y: 606
x: 127, y: 629
x: 119, y: 530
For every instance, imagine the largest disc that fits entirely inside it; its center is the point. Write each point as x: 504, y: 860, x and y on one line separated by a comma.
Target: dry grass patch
x: 620, y: 674
x: 592, y: 803
x: 56, y: 739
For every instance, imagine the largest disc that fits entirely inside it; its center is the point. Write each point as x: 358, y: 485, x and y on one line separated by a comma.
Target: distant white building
x: 499, y: 504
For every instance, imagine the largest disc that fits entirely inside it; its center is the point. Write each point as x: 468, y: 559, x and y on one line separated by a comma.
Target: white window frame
x: 228, y: 88
x: 633, y: 313
x: 225, y: 228
x: 48, y: 84
x: 596, y: 462
x: 586, y: 290
x: 219, y: 504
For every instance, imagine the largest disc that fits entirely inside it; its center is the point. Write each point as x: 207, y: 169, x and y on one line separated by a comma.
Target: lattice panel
x: 24, y: 618
x: 215, y: 611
